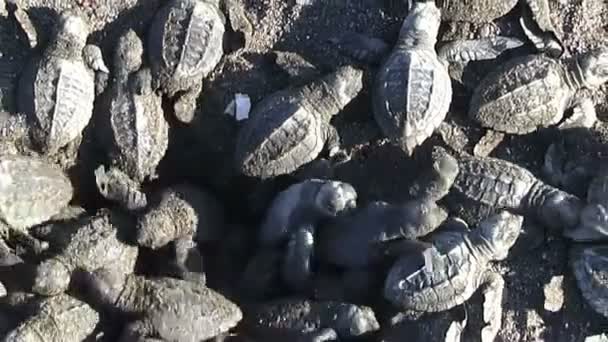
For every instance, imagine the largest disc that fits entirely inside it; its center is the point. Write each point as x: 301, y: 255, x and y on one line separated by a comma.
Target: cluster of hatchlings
x: 428, y: 262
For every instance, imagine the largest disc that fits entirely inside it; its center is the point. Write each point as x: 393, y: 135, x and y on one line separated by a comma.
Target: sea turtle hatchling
x: 60, y: 318
x: 500, y: 184
x: 32, y: 192
x: 95, y: 243
x: 316, y: 320
x: 289, y: 129
x: 135, y: 132
x: 534, y: 91
x: 412, y: 90
x: 453, y: 268
x: 184, y: 45
x: 163, y: 306
x: 56, y: 91
x: 590, y: 267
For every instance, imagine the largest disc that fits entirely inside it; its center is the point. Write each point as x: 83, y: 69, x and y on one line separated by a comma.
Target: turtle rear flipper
x: 366, y: 49
x: 464, y: 51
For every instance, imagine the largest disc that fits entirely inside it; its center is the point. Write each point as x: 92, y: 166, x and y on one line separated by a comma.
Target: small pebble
x: 554, y: 294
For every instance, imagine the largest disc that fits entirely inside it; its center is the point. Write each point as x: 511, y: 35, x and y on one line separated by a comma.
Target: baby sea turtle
x: 60, y: 318
x: 32, y: 192
x: 500, y: 184
x: 289, y: 128
x: 451, y: 270
x: 56, y: 92
x: 135, y: 133
x: 94, y: 244
x: 309, y: 201
x: 534, y: 91
x: 184, y: 45
x: 164, y: 306
x: 590, y: 267
x: 317, y: 320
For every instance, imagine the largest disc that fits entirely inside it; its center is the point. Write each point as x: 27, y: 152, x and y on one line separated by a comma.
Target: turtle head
x: 52, y: 278
x: 346, y: 83
x: 501, y: 231
x: 593, y: 225
x: 421, y: 24
x: 74, y: 27
x: 594, y: 67
x: 129, y: 52
x: 335, y: 197
x: 560, y: 210
x: 104, y: 286
x: 356, y: 321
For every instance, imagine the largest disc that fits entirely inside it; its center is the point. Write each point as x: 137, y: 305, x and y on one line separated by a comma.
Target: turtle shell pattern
x: 140, y: 132
x: 412, y: 96
x: 476, y: 11
x: 494, y: 182
x: 58, y: 99
x: 281, y: 135
x: 454, y: 277
x: 590, y: 267
x: 186, y: 39
x: 522, y: 95
x: 32, y: 191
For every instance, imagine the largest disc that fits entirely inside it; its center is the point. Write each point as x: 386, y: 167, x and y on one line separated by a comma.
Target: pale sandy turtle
x: 56, y: 91
x: 449, y: 271
x: 590, y: 267
x: 290, y: 128
x: 534, y: 91
x: 134, y: 130
x: 184, y: 45
x: 61, y: 318
x: 164, y: 308
x: 32, y: 192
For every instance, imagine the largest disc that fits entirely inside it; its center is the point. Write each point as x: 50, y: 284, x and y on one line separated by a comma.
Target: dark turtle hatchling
x: 290, y: 128
x: 164, y: 306
x: 136, y: 134
x: 590, y: 267
x: 453, y: 268
x: 184, y: 45
x: 57, y: 91
x: 94, y: 244
x: 61, y: 318
x: 534, y: 91
x: 500, y: 184
x: 309, y: 201
x: 296, y: 318
x: 32, y: 192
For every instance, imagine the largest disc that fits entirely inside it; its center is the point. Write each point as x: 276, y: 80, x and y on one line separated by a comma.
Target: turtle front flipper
x: 492, y: 288
x: 486, y: 145
x: 464, y: 51
x: 366, y: 49
x: 298, y: 258
x: 185, y: 104
x: 536, y: 24
x: 94, y: 60
x: 336, y: 153
x: 583, y: 115
x: 319, y: 336
x: 29, y: 242
x: 25, y: 24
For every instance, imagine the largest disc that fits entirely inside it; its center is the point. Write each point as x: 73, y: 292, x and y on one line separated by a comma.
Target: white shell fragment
x: 240, y: 107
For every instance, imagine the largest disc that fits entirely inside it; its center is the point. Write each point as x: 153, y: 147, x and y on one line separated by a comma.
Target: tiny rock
x: 554, y: 294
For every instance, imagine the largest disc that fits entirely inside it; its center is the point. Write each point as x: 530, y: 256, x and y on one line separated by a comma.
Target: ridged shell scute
x: 524, y: 94
x: 64, y: 92
x: 413, y: 95
x: 32, y: 191
x: 140, y: 133
x: 192, y: 38
x: 280, y: 136
x: 437, y: 289
x: 493, y: 182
